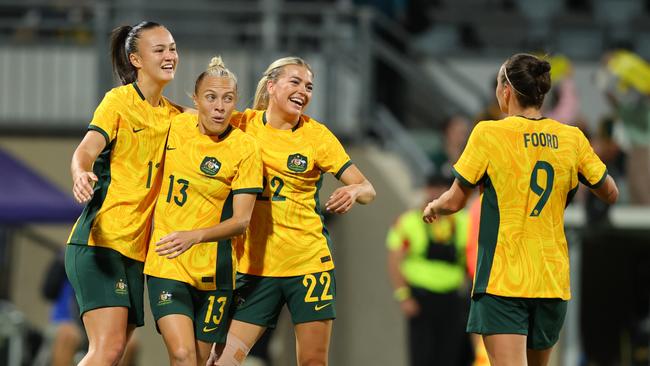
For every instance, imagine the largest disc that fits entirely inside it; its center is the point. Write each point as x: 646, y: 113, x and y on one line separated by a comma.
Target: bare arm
x: 395, y: 257
x: 452, y: 201
x: 357, y: 189
x: 81, y: 167
x: 607, y: 192
x: 178, y: 242
x: 401, y: 289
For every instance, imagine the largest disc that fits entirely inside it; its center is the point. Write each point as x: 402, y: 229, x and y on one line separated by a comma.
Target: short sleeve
x: 472, y: 164
x: 106, y: 117
x: 591, y: 170
x: 248, y: 178
x: 331, y: 156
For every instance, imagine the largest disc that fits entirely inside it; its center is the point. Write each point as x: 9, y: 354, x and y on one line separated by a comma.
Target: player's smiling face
x: 215, y: 99
x: 156, y: 56
x: 291, y: 92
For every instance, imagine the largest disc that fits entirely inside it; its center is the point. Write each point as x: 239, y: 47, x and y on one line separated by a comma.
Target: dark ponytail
x: 530, y: 78
x: 124, y: 41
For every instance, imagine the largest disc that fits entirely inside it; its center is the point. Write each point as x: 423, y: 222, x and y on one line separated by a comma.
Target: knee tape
x: 234, y: 353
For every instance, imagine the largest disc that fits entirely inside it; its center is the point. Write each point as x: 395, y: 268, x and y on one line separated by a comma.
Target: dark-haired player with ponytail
x: 116, y: 172
x: 529, y: 168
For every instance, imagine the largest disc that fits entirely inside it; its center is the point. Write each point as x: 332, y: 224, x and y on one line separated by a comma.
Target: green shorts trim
x: 310, y: 297
x: 209, y: 310
x: 102, y: 277
x: 539, y: 319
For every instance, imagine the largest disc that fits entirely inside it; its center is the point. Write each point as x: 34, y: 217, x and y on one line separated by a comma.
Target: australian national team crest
x: 164, y: 298
x: 210, y: 165
x: 297, y: 163
x: 121, y: 287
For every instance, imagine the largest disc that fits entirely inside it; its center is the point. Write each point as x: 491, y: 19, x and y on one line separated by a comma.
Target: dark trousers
x: 437, y: 334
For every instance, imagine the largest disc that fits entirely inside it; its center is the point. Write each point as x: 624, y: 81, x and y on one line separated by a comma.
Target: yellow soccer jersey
x: 119, y: 214
x: 201, y: 175
x: 287, y: 236
x: 530, y: 170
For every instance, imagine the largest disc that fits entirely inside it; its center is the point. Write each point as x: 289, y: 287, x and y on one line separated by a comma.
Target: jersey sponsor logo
x: 136, y: 130
x: 121, y: 288
x: 297, y: 163
x: 320, y: 307
x: 210, y: 165
x: 206, y: 329
x: 164, y: 298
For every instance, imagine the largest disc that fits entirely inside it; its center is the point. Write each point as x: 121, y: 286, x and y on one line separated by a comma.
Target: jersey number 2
x: 276, y: 185
x: 545, y: 192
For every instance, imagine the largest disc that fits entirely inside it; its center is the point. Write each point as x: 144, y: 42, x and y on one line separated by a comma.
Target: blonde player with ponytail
x: 286, y: 257
x: 212, y: 174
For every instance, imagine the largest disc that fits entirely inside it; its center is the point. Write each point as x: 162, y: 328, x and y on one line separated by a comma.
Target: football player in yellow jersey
x: 286, y: 257
x: 529, y: 167
x: 212, y: 175
x: 115, y: 171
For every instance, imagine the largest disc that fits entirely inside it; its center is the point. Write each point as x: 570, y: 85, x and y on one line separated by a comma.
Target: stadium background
x: 387, y: 76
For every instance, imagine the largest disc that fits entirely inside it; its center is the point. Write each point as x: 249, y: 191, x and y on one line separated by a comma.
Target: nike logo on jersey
x: 136, y: 130
x: 169, y: 148
x: 319, y: 307
x: 208, y: 330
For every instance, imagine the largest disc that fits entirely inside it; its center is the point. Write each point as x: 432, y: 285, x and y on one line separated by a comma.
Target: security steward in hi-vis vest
x: 427, y: 266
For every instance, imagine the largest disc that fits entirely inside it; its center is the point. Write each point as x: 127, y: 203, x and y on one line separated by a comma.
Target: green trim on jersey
x: 462, y: 179
x: 342, y: 170
x: 571, y: 194
x: 102, y: 169
x: 487, y: 238
x: 224, y: 278
x: 247, y: 190
x: 225, y: 132
x: 326, y: 234
x: 137, y: 89
x: 293, y: 129
x: 596, y: 185
x: 100, y: 130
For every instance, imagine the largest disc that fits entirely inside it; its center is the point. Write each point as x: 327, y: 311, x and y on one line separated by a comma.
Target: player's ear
x: 135, y: 60
x: 270, y: 85
x: 196, y: 104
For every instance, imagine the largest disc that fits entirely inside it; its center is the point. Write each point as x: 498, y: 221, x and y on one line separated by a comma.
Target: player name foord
x: 540, y: 139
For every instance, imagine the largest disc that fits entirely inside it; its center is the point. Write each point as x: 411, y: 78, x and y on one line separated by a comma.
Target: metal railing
x: 65, y: 69
x: 58, y: 69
